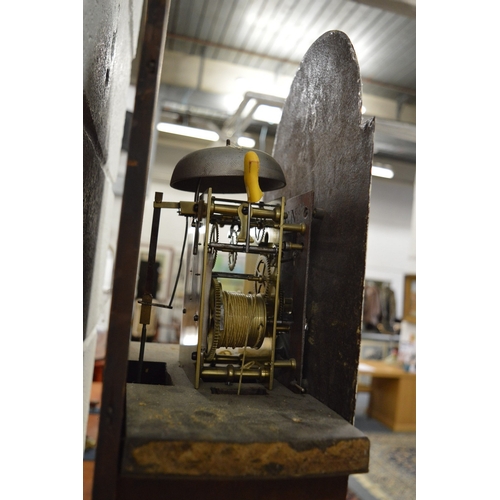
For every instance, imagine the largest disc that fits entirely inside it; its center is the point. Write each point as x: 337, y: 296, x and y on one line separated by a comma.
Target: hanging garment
x: 388, y: 307
x: 372, y: 307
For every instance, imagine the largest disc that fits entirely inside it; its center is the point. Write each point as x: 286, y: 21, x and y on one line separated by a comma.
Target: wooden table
x: 392, y: 395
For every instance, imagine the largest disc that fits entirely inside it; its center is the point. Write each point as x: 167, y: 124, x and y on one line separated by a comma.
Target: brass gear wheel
x: 261, y: 271
x: 214, y: 238
x: 215, y: 318
x: 232, y: 256
x: 266, y: 268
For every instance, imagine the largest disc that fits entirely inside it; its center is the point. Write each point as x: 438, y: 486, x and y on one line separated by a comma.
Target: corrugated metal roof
x: 274, y: 35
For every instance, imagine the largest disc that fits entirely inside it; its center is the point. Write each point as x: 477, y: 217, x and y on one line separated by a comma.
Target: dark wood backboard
x: 323, y: 146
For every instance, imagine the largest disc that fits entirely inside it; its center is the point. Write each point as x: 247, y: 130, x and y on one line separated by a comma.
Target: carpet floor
x: 392, y: 474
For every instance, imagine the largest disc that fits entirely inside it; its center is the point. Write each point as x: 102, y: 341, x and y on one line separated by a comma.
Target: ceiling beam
x: 207, y: 43
x: 402, y: 7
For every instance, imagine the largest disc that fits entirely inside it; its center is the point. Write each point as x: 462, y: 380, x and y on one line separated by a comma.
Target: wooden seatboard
x: 178, y: 431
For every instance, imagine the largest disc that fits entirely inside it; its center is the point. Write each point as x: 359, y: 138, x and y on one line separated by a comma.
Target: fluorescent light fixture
x: 269, y: 114
x: 385, y: 172
x: 245, y: 142
x: 196, y: 133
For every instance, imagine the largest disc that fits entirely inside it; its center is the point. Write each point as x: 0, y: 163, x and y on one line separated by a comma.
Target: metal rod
x: 141, y: 353
x: 277, y: 291
x: 232, y: 374
x: 155, y: 305
x: 221, y: 359
x: 249, y: 219
x: 299, y: 228
x: 226, y: 247
x: 261, y: 213
x: 237, y: 276
x: 148, y: 287
x: 153, y: 244
x: 259, y: 204
x: 180, y: 265
x: 204, y: 285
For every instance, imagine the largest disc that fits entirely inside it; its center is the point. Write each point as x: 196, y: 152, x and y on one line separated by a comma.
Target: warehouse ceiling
x: 220, y: 53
